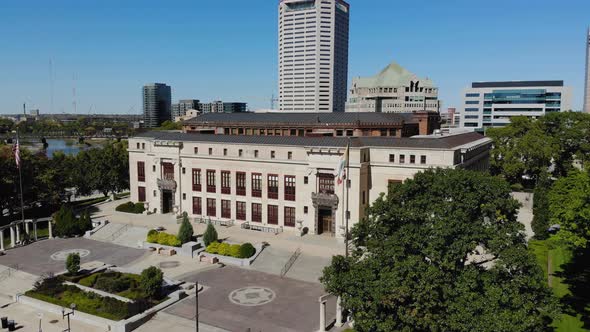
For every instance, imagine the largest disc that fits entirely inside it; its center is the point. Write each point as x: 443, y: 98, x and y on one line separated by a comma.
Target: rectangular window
x: 196, y: 179
x: 196, y: 150
x: 256, y: 185
x: 273, y: 186
x: 141, y: 194
x: 305, y: 180
x: 225, y: 182
x: 211, y: 181
x: 168, y: 171
x: 412, y: 159
x: 289, y: 155
x: 472, y: 95
x: 289, y: 188
x: 255, y: 153
x: 210, y: 151
x: 391, y: 158
x: 472, y: 102
x: 289, y: 216
x: 326, y: 183
x: 422, y: 160
x: 273, y: 214
x: 402, y: 158
x: 241, y: 184
x: 197, y: 207
x: 211, y: 207
x: 272, y: 155
x: 225, y: 209
x: 241, y: 211
x: 225, y: 152
x: 141, y: 171
x: 240, y: 152
x: 256, y: 212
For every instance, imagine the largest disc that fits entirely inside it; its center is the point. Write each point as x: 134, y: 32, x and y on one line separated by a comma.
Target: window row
x: 240, y: 184
x: 272, y: 155
x: 241, y: 211
x: 402, y: 159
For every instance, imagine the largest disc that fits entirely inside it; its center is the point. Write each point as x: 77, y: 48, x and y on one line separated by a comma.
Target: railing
x: 241, y: 191
x: 196, y: 187
x: 256, y: 193
x: 211, y: 189
x: 260, y: 228
x: 118, y: 233
x: 290, y: 262
x: 273, y: 194
x: 224, y: 223
x: 226, y: 190
x: 168, y: 176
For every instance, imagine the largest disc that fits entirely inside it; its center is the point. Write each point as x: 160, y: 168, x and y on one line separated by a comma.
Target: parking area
x: 238, y: 300
x: 49, y: 255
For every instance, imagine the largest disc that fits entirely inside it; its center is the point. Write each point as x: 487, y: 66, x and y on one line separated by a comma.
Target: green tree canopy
x: 186, y: 232
x: 151, y: 280
x: 73, y: 263
x: 569, y: 206
x: 442, y: 252
x: 210, y: 235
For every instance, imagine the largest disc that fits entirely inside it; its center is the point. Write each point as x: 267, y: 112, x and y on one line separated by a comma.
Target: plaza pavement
x: 27, y: 320
x: 36, y: 257
x: 295, y: 306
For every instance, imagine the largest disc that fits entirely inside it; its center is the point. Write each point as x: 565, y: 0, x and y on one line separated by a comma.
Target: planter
x: 187, y: 250
x: 233, y: 260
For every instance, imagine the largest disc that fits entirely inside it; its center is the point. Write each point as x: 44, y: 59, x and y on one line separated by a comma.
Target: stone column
x: 12, y: 243
x: 49, y: 224
x: 26, y: 228
x: 17, y: 232
x: 339, y: 312
x: 322, y: 316
x: 1, y: 240
x: 35, y: 229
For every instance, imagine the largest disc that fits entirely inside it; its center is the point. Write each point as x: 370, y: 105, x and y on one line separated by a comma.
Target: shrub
x: 151, y: 281
x: 185, y: 233
x: 213, y: 248
x: 247, y: 250
x: 234, y: 250
x: 89, y: 281
x: 517, y: 187
x: 130, y: 207
x: 164, y: 239
x: 210, y: 235
x: 66, y: 224
x: 84, y: 223
x: 224, y: 249
x: 73, y: 263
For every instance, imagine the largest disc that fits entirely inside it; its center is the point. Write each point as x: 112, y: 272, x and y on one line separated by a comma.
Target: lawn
x: 121, y: 284
x: 565, y: 268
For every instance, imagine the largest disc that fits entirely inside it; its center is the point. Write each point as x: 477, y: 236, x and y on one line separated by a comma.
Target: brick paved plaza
x: 36, y: 257
x: 290, y: 305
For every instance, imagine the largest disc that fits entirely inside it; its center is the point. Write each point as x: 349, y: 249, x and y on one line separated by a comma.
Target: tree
x: 569, y: 206
x: 540, y: 223
x: 151, y: 281
x: 186, y: 232
x: 210, y: 235
x: 85, y: 222
x: 170, y: 125
x: 73, y: 263
x: 105, y: 170
x: 66, y: 224
x: 442, y: 252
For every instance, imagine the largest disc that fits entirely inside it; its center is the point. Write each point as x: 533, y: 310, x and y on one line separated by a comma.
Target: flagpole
x: 20, y: 178
x: 346, y: 186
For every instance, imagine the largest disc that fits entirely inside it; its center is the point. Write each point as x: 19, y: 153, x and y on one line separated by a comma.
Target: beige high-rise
x: 313, y: 55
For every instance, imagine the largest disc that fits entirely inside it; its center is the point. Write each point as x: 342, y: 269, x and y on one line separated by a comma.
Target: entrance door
x: 166, y: 201
x: 325, y: 222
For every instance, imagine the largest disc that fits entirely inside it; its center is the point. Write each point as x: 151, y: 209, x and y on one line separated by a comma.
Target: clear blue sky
x: 228, y: 49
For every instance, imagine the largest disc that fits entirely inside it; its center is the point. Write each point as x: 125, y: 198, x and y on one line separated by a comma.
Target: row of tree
x: 46, y: 180
x: 81, y: 126
x: 528, y: 149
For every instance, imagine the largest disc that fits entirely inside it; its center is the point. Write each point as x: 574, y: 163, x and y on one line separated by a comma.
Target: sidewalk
x: 28, y: 321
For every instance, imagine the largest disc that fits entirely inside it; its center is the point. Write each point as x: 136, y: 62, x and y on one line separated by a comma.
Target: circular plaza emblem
x: 63, y: 254
x: 252, y: 296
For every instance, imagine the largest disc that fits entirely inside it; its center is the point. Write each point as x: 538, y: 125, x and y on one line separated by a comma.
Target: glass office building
x: 493, y: 104
x: 157, y: 104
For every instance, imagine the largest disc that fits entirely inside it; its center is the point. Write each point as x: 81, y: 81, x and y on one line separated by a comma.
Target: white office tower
x: 587, y: 80
x: 313, y: 55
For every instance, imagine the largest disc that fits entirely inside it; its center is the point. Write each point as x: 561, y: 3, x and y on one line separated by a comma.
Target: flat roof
x: 303, y: 119
x: 425, y: 142
x: 515, y: 84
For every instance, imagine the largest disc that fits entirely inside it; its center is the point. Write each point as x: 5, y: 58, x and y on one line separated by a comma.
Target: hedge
x: 245, y: 250
x: 131, y: 207
x: 164, y: 239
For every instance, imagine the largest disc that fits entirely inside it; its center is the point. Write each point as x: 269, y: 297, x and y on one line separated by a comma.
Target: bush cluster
x: 131, y: 207
x: 67, y: 225
x: 164, y: 239
x: 210, y: 235
x: 245, y: 250
x: 186, y: 232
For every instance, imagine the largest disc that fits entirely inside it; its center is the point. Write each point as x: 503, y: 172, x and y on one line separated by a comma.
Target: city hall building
x: 285, y: 183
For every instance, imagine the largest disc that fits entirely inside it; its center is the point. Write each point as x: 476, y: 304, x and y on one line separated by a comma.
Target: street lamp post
x: 197, y: 307
x: 65, y: 314
x: 40, y: 316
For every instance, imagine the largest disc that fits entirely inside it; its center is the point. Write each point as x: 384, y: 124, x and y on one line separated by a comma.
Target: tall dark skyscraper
x: 587, y: 78
x: 157, y: 104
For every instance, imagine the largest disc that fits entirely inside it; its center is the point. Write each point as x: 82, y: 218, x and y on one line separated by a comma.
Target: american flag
x: 16, y: 150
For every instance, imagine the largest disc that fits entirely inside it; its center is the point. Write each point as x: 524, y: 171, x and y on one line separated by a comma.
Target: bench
x: 224, y: 223
x: 260, y: 228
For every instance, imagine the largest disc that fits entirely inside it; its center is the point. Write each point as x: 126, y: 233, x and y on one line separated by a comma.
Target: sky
x: 106, y: 50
